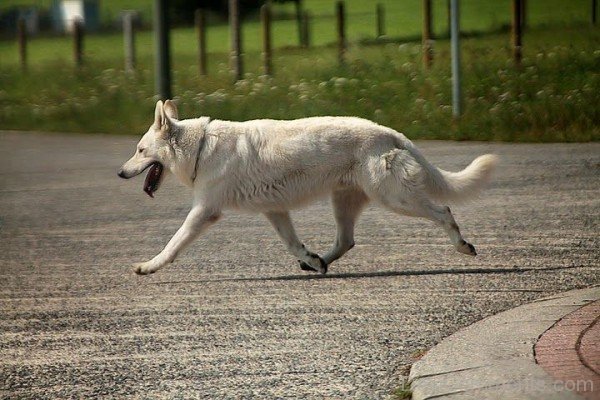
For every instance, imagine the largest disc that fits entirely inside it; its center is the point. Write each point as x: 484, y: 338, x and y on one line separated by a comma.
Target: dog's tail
x: 459, y: 186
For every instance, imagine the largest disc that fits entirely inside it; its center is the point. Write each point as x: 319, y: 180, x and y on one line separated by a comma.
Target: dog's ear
x: 158, y: 114
x: 162, y: 119
x: 171, y: 109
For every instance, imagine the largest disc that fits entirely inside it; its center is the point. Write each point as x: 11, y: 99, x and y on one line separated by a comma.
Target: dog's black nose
x: 121, y: 174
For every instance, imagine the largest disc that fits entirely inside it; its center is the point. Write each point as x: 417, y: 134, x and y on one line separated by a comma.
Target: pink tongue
x: 152, y: 179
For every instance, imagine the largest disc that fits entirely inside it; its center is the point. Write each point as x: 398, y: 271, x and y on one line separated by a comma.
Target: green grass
x: 403, y: 393
x: 553, y: 97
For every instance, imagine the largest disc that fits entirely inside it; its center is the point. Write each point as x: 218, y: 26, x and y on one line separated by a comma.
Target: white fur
x: 270, y: 167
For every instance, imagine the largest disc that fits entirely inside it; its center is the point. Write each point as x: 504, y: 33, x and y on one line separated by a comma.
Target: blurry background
x: 553, y: 95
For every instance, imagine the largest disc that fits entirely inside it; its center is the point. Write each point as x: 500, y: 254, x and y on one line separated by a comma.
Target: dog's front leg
x: 198, y: 219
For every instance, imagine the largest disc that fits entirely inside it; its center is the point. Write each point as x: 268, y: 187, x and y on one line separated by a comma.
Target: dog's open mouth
x: 152, y: 181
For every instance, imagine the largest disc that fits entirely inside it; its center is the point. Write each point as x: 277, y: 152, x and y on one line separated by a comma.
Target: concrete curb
x: 494, y: 358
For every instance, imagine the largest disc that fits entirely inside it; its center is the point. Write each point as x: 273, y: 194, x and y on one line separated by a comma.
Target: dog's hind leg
x: 197, y: 220
x: 420, y: 206
x: 283, y: 225
x: 347, y: 206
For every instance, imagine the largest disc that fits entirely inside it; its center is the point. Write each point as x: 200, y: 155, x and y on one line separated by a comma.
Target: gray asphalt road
x: 235, y: 317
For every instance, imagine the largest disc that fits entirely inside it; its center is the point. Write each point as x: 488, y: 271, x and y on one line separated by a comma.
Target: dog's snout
x: 121, y: 174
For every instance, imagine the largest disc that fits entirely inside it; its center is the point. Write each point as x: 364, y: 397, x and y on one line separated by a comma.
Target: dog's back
x: 284, y: 164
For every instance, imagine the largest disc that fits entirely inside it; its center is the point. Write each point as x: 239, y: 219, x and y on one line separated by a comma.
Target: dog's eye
x: 140, y: 150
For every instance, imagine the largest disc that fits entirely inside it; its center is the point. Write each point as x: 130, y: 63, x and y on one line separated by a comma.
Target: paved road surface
x: 235, y: 317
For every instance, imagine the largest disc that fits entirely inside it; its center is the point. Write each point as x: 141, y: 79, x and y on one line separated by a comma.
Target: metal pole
x: 236, y: 39
x: 129, y: 41
x: 455, y: 51
x: 162, y: 57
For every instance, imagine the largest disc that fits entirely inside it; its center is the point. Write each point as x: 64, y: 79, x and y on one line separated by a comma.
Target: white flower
x: 340, y: 82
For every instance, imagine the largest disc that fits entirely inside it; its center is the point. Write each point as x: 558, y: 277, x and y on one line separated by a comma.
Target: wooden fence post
x: 523, y: 15
x: 427, y: 41
x: 594, y: 12
x: 455, y: 55
x: 517, y: 40
x: 449, y: 16
x: 129, y: 41
x: 380, y: 20
x: 299, y: 15
x: 78, y: 42
x: 236, y: 40
x: 341, y: 31
x: 22, y: 38
x: 306, y: 29
x: 200, y: 20
x: 265, y: 18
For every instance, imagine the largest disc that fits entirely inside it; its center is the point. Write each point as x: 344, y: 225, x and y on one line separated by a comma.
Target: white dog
x: 270, y: 167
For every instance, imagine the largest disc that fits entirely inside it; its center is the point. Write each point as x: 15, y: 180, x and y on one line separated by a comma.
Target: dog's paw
x: 305, y: 267
x: 466, y: 248
x: 144, y: 268
x: 315, y: 264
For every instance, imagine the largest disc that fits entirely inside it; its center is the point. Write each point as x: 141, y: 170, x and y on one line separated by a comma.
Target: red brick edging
x: 570, y: 351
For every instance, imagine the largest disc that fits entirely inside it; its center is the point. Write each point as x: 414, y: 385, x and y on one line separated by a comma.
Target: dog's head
x: 154, y: 150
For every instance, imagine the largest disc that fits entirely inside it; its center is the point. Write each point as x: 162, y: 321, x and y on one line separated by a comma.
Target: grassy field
x: 553, y: 97
x: 403, y: 20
